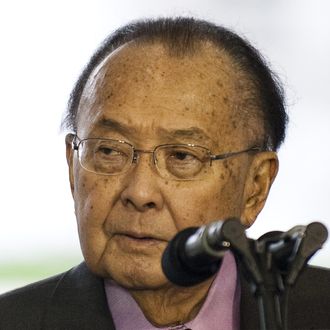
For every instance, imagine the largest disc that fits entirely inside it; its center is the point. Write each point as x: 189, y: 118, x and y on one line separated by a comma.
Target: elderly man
x: 175, y: 123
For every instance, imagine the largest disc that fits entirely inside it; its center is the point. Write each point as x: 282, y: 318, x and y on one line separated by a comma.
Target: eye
x: 109, y: 159
x: 181, y: 155
x: 107, y: 151
x: 182, y: 163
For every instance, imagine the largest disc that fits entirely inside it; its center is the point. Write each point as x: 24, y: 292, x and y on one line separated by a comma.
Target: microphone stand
x: 272, y: 264
x: 268, y: 292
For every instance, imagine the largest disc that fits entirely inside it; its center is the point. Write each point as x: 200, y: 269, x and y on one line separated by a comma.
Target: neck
x: 171, y: 305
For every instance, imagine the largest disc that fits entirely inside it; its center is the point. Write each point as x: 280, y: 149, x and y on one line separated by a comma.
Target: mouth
x: 139, y: 239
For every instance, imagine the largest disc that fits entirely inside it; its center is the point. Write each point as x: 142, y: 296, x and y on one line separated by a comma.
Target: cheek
x: 93, y: 202
x: 90, y: 199
x: 205, y: 201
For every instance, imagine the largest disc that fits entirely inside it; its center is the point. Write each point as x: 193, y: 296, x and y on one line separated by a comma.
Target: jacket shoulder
x: 309, y: 298
x: 72, y: 300
x: 23, y: 308
x: 312, y: 284
x: 308, y: 302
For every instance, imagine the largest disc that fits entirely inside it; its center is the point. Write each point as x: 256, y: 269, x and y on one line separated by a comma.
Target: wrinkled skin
x: 142, y: 95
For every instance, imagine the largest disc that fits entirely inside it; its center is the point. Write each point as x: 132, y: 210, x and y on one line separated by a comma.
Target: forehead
x: 145, y: 92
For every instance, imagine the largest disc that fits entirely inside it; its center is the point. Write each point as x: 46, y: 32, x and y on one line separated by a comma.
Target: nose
x: 142, y: 191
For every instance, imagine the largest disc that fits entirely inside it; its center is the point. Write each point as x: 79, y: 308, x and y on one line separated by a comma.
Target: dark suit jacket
x: 76, y: 300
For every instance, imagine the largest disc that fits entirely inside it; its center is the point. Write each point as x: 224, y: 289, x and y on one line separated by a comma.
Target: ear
x: 69, y: 158
x: 260, y: 177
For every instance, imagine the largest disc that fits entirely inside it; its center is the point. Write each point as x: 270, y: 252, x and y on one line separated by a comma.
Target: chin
x: 131, y: 269
x: 138, y: 278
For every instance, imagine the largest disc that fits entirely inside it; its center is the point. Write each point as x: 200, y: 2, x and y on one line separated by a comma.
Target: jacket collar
x: 78, y: 302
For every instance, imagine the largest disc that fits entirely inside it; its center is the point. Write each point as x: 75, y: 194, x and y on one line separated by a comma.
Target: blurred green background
x: 17, y: 273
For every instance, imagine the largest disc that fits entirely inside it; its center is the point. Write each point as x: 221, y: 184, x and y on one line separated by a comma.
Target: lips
x: 133, y: 243
x: 140, y: 240
x: 140, y: 236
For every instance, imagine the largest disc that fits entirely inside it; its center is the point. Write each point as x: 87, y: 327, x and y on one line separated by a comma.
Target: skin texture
x: 146, y: 97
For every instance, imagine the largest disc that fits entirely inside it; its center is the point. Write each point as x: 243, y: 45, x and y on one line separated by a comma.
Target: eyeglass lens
x: 112, y: 157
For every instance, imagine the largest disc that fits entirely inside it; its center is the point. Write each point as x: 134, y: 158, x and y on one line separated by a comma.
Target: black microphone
x: 292, y: 249
x: 315, y: 235
x: 195, y: 254
x: 285, y: 248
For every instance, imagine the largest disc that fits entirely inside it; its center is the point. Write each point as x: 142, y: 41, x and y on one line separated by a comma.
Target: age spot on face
x: 219, y: 83
x: 230, y: 171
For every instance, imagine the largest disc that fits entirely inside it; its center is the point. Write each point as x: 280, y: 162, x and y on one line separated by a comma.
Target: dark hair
x: 181, y: 35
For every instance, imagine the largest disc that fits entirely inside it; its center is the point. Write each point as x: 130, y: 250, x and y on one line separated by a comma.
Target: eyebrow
x: 115, y: 125
x: 191, y: 133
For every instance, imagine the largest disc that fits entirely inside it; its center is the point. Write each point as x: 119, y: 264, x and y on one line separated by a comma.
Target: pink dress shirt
x: 219, y: 311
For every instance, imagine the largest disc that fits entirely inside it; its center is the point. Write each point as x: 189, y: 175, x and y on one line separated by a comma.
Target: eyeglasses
x: 173, y: 161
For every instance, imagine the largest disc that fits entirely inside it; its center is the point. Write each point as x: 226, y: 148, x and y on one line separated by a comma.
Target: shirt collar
x: 219, y: 311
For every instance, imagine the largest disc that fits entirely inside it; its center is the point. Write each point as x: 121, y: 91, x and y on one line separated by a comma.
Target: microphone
x: 281, y: 247
x: 315, y: 236
x: 195, y: 254
x: 291, y: 250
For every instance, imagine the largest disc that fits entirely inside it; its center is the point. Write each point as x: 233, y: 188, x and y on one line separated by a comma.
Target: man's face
x: 142, y: 95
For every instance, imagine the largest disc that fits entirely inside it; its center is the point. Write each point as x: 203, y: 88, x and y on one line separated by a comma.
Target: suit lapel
x: 78, y: 302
